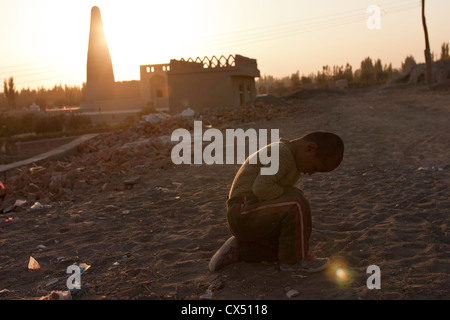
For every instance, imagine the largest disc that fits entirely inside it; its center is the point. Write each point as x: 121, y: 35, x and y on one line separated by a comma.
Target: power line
x: 45, y: 79
x: 20, y: 65
x: 246, y: 37
x: 39, y: 68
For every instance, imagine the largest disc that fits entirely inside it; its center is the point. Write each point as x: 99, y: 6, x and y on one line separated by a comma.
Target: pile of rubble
x: 260, y: 112
x: 270, y: 100
x: 417, y: 73
x: 114, y: 160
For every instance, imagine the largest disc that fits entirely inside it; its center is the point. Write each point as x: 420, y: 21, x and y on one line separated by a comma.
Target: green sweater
x: 249, y: 181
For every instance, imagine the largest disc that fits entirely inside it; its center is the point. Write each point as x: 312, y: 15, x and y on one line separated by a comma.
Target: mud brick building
x: 199, y: 84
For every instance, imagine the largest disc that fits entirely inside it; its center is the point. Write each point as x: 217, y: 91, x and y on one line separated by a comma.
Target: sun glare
x: 340, y: 273
x: 150, y: 35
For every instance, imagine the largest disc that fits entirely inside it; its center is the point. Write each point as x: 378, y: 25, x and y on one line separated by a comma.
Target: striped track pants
x: 273, y: 230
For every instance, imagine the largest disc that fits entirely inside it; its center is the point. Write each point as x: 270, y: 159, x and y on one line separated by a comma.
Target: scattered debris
x: 270, y: 100
x: 186, y: 113
x: 17, y: 204
x: 129, y: 183
x: 20, y: 202
x: 155, y: 117
x: 33, y: 264
x: 301, y: 276
x: 207, y: 296
x: 35, y: 169
x: 37, y: 206
x: 433, y: 168
x: 6, y: 291
x: 127, y: 151
x: 51, y: 283
x: 292, y: 293
x: 83, y: 267
x: 58, y: 295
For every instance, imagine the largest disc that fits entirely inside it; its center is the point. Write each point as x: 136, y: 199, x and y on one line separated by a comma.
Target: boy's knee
x: 295, y: 192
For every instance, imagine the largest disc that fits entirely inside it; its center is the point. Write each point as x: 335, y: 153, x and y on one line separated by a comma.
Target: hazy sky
x: 44, y: 42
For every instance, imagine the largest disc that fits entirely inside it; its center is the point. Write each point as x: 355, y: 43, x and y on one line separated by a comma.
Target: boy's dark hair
x: 330, y: 146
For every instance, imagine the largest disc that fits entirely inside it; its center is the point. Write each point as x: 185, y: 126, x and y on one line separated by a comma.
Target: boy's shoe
x: 226, y: 255
x: 309, y: 264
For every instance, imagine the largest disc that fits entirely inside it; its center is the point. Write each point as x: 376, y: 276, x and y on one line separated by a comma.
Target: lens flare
x: 340, y: 273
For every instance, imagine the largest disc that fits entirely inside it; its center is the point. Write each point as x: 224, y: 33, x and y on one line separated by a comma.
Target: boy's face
x: 309, y: 163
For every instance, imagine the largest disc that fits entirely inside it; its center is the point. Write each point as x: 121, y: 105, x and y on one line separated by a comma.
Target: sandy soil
x: 387, y: 205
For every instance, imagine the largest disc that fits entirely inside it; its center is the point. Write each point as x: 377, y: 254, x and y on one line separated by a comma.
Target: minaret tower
x: 99, y: 71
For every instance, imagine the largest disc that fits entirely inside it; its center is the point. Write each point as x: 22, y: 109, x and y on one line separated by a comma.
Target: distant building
x: 208, y: 83
x: 199, y: 84
x: 155, y: 86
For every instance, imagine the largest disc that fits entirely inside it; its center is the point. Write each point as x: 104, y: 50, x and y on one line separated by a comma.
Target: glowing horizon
x: 46, y: 41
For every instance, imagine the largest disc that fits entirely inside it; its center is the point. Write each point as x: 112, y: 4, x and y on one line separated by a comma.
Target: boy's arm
x: 268, y: 187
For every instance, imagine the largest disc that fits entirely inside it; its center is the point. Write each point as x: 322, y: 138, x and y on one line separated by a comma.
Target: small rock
x: 9, y: 209
x: 20, y: 202
x: 292, y: 293
x: 129, y: 183
x: 33, y: 264
x: 51, y: 283
x: 33, y: 187
x: 111, y: 207
x: 38, y: 206
x: 207, y: 296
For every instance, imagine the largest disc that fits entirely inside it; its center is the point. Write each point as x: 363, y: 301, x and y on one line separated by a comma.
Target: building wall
x: 154, y: 86
x: 128, y: 89
x: 244, y: 90
x: 199, y: 91
x: 214, y: 83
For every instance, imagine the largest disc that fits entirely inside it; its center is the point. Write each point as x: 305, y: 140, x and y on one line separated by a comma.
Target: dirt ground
x: 387, y: 205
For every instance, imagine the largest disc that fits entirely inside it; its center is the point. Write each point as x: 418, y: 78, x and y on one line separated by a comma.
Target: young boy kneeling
x: 269, y: 218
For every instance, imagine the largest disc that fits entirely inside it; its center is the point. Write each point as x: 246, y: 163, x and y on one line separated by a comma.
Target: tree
x: 10, y: 92
x: 367, y: 70
x: 388, y: 70
x: 5, y: 87
x: 429, y: 73
x: 378, y: 70
x: 307, y: 80
x: 295, y: 81
x: 444, y: 52
x: 348, y: 72
x: 409, y: 61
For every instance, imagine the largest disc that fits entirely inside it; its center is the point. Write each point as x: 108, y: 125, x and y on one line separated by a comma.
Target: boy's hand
x: 250, y: 201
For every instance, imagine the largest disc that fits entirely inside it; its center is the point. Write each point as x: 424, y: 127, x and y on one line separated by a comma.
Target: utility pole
x: 429, y: 72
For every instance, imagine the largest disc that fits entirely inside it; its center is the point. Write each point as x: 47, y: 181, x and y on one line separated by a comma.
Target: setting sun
x: 151, y: 32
